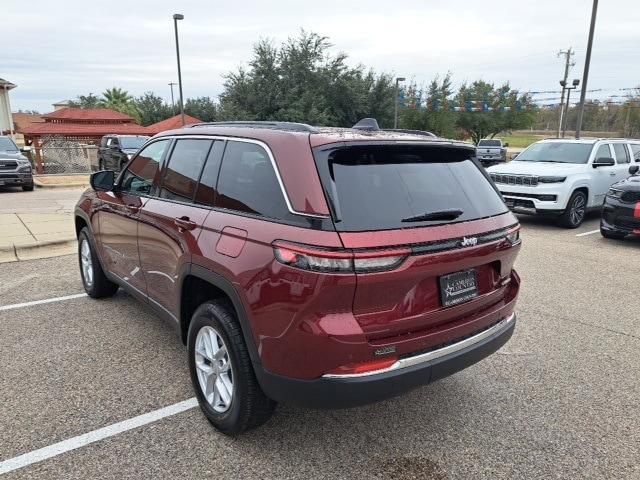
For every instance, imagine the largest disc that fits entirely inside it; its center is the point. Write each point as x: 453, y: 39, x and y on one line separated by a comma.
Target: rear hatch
x: 436, y: 208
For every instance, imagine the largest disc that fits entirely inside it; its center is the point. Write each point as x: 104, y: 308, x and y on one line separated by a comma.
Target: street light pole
x: 176, y: 17
x: 587, y: 62
x: 395, y: 115
x: 173, y: 103
x: 576, y: 82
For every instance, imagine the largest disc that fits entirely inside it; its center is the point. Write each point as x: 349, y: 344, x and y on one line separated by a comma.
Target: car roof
x: 586, y: 140
x: 267, y: 131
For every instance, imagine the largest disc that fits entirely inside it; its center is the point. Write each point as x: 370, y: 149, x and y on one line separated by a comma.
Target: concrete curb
x: 60, y: 185
x: 45, y: 249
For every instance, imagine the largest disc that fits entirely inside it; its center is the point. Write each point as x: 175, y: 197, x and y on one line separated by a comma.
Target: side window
x: 206, y: 192
x: 622, y: 154
x: 603, y: 151
x: 183, y: 171
x: 138, y: 177
x: 248, y: 183
x: 635, y: 148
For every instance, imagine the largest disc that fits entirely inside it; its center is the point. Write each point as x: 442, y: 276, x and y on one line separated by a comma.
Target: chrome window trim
x: 269, y: 154
x: 434, y: 354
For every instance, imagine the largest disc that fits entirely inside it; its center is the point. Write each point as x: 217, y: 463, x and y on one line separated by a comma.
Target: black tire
x: 28, y: 188
x: 99, y: 286
x: 249, y: 406
x: 576, y: 211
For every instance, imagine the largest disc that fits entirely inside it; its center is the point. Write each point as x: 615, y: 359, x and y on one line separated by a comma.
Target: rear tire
x: 576, y: 211
x: 95, y: 282
x: 222, y: 373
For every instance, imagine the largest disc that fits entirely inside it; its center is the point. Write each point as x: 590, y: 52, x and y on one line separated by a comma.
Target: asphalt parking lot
x: 560, y: 400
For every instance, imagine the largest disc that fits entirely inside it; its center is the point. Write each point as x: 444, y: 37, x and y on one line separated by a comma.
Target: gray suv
x: 15, y: 168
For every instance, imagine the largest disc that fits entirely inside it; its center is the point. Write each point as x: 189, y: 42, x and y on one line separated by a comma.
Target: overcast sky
x: 56, y: 50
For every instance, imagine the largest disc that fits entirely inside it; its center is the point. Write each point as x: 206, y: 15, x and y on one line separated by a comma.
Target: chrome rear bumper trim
x: 435, y: 354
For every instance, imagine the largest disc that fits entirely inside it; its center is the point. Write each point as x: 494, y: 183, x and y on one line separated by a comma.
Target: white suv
x: 565, y: 178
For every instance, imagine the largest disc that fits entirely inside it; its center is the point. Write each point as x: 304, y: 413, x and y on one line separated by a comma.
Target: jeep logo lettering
x: 469, y: 241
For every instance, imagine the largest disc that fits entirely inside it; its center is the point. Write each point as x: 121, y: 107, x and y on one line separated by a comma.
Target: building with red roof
x: 84, y: 126
x: 171, y: 124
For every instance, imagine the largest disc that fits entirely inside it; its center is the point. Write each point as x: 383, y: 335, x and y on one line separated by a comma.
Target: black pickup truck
x: 116, y: 150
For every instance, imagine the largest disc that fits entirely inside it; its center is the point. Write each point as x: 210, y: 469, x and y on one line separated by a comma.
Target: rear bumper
x: 350, y: 391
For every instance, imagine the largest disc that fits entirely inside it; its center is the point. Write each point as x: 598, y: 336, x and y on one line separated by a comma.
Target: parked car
x: 491, y: 151
x: 621, y: 210
x: 563, y: 178
x: 15, y: 168
x: 317, y: 266
x: 116, y: 150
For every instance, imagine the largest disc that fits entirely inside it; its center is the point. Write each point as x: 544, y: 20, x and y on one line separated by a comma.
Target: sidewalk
x: 25, y: 236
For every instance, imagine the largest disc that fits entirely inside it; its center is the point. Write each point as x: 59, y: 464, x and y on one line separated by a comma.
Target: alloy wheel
x: 86, y: 262
x: 213, y: 368
x: 578, y: 210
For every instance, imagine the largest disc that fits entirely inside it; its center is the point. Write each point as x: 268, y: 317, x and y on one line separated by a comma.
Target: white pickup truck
x: 564, y: 178
x: 490, y: 151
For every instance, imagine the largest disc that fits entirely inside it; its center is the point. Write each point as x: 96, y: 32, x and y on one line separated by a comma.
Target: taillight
x: 513, y: 236
x: 318, y: 259
x: 309, y: 258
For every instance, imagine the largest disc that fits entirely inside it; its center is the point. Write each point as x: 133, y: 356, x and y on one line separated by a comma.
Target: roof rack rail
x: 289, y: 126
x: 423, y: 133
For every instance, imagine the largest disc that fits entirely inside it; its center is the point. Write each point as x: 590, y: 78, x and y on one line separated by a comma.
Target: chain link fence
x: 60, y: 155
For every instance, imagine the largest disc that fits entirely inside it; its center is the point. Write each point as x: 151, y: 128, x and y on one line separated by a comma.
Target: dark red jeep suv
x: 319, y: 266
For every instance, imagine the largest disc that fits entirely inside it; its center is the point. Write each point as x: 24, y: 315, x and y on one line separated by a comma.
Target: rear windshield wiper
x: 439, y: 215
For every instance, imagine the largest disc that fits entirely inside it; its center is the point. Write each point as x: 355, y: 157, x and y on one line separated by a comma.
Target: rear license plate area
x: 458, y: 287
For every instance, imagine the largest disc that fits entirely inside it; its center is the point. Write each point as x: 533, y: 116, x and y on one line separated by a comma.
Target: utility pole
x: 567, y: 63
x: 587, y: 62
x: 176, y: 17
x: 395, y: 113
x: 173, y: 103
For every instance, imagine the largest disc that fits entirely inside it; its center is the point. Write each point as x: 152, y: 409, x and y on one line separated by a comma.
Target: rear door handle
x: 613, y: 174
x: 184, y: 223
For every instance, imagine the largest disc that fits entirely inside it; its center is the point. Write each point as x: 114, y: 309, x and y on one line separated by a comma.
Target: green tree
x: 429, y: 109
x: 85, y: 101
x: 202, y: 108
x: 119, y: 100
x: 152, y: 108
x: 508, y: 109
x: 301, y: 81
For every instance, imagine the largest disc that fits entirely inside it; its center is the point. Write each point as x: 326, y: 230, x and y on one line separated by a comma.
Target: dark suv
x: 15, y: 168
x: 319, y: 266
x: 116, y: 150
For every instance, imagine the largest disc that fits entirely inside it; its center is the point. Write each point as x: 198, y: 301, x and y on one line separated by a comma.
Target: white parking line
x: 587, y: 233
x: 96, y: 435
x: 40, y: 302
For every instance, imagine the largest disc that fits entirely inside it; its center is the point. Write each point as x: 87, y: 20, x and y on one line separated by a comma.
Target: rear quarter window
x: 248, y: 183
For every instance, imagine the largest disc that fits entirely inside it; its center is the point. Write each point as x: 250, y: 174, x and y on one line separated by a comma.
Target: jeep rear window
x: 386, y: 187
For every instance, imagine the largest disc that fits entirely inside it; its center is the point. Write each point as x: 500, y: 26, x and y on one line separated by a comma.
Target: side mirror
x: 25, y: 149
x: 505, y: 145
x: 604, y: 162
x: 633, y: 169
x: 103, y: 181
x: 514, y: 155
